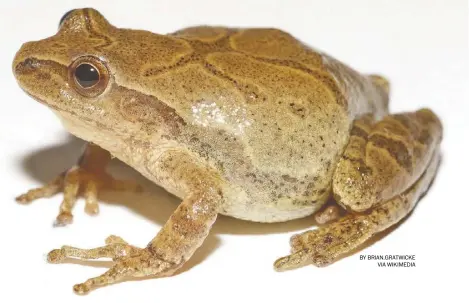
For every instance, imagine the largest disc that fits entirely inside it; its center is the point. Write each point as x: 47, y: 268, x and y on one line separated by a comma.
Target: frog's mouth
x: 40, y: 100
x: 39, y: 78
x: 37, y: 98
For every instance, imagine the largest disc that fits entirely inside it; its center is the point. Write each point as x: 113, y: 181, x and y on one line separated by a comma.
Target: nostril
x: 25, y: 66
x: 28, y: 62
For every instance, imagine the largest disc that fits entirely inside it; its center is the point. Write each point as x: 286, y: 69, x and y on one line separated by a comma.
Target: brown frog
x: 249, y: 123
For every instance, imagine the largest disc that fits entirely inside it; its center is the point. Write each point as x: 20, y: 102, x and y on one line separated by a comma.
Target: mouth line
x: 70, y: 112
x: 54, y: 107
x: 32, y: 65
x: 39, y: 99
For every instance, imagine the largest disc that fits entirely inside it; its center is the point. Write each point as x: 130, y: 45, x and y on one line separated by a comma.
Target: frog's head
x: 91, y: 72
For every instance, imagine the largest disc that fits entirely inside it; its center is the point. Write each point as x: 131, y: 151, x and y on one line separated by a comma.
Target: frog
x: 250, y: 123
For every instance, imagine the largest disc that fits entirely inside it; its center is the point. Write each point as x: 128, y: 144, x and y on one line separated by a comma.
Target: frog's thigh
x: 326, y: 244
x: 383, y: 159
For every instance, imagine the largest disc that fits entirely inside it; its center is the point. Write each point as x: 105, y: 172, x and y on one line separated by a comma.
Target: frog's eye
x: 89, y: 76
x: 64, y: 17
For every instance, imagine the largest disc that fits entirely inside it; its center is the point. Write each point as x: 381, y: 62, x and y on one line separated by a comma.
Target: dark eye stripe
x: 86, y: 75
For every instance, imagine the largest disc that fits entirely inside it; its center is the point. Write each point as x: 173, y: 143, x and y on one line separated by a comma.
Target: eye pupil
x: 86, y: 75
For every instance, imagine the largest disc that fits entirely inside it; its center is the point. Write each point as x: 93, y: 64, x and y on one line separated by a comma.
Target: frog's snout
x: 23, y: 63
x: 38, y: 77
x: 32, y: 69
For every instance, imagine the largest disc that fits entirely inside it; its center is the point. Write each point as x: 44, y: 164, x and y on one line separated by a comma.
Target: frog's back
x: 263, y: 85
x: 248, y: 58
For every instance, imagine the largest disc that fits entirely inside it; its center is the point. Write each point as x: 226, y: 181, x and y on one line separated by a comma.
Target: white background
x: 420, y: 45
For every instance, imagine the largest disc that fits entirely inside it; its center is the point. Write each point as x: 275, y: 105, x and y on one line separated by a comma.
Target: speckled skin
x: 250, y: 123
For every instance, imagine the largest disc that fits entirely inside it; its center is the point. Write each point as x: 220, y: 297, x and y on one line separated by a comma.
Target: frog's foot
x: 89, y: 176
x: 324, y: 245
x: 129, y: 262
x: 70, y: 182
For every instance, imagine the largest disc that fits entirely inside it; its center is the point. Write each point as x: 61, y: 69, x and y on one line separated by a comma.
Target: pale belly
x: 261, y: 207
x: 268, y: 213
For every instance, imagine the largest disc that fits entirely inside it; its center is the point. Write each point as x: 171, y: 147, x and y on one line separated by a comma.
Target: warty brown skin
x: 250, y: 123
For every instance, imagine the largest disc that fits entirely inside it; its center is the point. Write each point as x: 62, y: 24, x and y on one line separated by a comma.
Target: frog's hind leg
x: 371, y: 181
x: 90, y: 175
x: 325, y: 245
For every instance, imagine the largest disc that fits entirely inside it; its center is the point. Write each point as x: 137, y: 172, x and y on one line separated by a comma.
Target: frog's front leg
x: 89, y: 174
x: 384, y: 170
x: 181, y: 235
